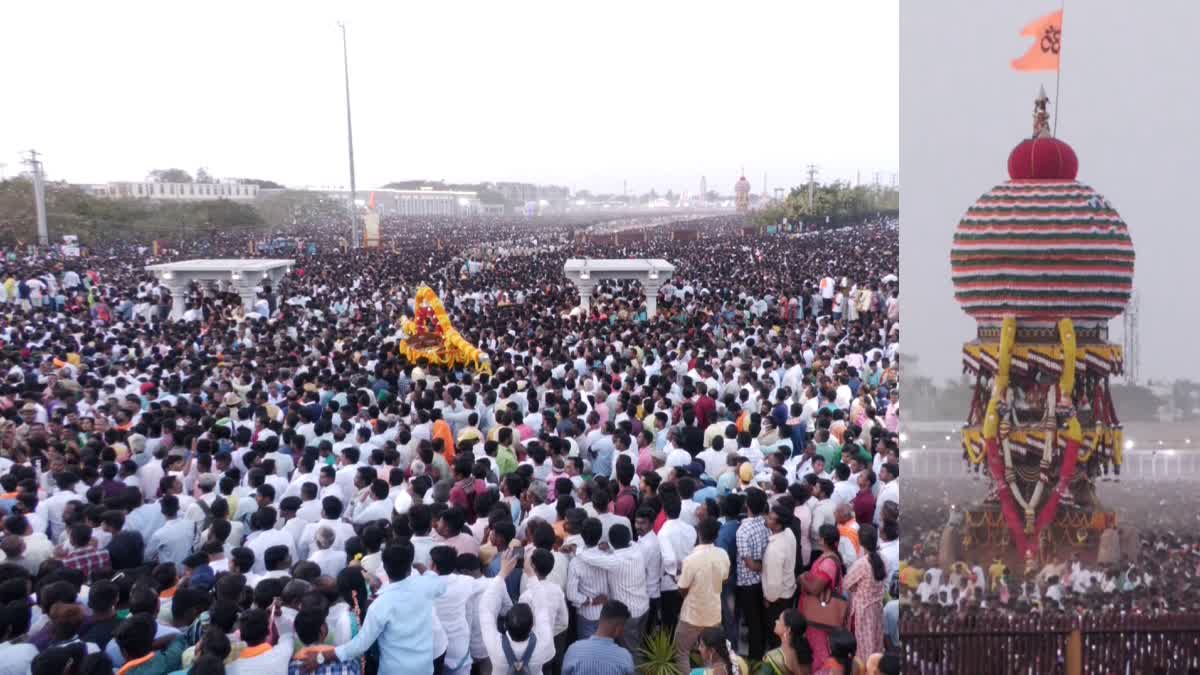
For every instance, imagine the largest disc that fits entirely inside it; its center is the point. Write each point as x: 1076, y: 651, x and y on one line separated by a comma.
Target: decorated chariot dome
x: 1042, y: 246
x: 742, y: 186
x: 1041, y: 262
x: 741, y: 195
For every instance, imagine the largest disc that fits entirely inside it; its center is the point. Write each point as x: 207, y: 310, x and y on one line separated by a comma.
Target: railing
x: 1107, y: 644
x: 1139, y: 463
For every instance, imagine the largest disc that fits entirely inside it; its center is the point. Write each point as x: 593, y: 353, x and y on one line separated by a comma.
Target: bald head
x: 843, y: 513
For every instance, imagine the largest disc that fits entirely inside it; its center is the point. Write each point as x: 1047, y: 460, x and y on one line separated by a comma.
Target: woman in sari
x: 717, y: 655
x: 825, y: 574
x: 841, y: 659
x: 793, y: 657
x: 865, y: 583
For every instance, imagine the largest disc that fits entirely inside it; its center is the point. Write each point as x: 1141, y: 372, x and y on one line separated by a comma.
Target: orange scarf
x: 850, y: 533
x: 315, y: 649
x: 256, y: 650
x: 130, y: 665
x: 169, y: 593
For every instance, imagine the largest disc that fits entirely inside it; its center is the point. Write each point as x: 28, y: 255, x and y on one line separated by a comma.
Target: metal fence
x: 984, y: 645
x: 1107, y: 644
x: 1139, y: 464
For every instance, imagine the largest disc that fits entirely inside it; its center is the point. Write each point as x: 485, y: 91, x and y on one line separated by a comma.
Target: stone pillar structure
x: 651, y: 273
x: 240, y: 276
x: 178, y: 288
x: 651, y: 287
x: 245, y: 286
x: 585, y: 287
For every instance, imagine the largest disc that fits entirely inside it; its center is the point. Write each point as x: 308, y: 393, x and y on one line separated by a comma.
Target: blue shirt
x: 146, y: 519
x: 727, y: 541
x: 597, y: 656
x: 401, y: 622
x: 704, y: 494
x: 605, y: 450
x: 512, y: 584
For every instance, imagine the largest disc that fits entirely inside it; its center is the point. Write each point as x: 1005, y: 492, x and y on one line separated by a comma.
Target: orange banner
x: 1044, y: 53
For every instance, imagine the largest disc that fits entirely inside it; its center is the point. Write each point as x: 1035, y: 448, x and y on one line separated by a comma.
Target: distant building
x: 703, y: 188
x: 177, y: 192
x: 423, y: 202
x: 548, y: 197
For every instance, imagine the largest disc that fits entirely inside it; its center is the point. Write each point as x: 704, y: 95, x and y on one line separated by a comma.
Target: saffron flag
x: 371, y: 202
x: 1047, y: 35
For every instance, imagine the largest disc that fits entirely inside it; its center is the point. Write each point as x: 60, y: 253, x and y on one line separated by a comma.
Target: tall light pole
x: 812, y: 182
x: 350, y: 142
x: 39, y: 197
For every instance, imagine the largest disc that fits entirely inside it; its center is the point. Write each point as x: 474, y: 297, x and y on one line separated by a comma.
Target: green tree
x: 70, y: 210
x: 203, y: 177
x: 170, y: 176
x: 1136, y: 403
x: 838, y: 201
x: 262, y: 184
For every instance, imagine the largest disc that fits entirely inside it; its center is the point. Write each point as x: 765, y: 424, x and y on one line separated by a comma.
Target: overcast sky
x: 1128, y: 107
x: 577, y: 93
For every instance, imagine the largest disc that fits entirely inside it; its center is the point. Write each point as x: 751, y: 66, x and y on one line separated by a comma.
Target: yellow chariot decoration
x: 433, y: 338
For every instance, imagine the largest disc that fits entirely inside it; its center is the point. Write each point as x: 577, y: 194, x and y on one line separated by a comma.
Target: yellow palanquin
x: 432, y: 337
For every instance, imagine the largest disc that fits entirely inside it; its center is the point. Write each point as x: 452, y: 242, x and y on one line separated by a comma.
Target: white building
x: 185, y: 192
x: 422, y: 202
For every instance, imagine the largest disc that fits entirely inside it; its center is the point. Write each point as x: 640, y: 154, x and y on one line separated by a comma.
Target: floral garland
x: 1000, y: 463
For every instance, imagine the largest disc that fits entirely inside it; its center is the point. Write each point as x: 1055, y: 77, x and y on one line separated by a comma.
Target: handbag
x: 827, y: 610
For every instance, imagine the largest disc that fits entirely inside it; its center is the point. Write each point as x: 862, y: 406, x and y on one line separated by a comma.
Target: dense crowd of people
x: 1152, y: 579
x: 273, y: 488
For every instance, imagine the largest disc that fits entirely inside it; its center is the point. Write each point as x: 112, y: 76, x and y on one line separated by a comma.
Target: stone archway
x: 652, y: 273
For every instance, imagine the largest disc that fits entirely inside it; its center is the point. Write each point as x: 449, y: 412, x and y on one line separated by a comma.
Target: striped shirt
x: 597, y: 656
x: 625, y: 570
x: 585, y: 582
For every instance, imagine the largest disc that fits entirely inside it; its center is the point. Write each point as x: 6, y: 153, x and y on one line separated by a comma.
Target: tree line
x: 839, y: 202
x: 70, y: 210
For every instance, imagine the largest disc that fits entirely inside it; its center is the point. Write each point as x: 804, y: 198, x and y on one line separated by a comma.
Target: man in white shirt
x: 520, y: 622
x: 55, y: 504
x: 844, y: 488
x: 540, y: 591
x: 451, y: 609
x: 889, y: 547
x: 889, y: 475
x: 331, y: 511
x: 265, y: 536
x: 676, y: 540
x: 647, y: 543
x: 176, y: 539
x: 714, y: 458
x: 823, y: 511
x: 601, y: 501
x: 379, y: 508
x: 421, y: 521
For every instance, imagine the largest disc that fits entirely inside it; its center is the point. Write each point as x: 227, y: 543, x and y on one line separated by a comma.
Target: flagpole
x: 1062, y: 8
